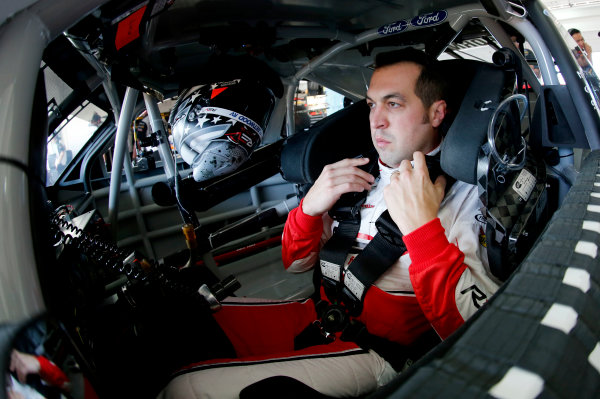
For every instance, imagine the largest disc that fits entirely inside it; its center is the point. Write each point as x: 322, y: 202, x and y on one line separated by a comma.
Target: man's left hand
x: 412, y: 199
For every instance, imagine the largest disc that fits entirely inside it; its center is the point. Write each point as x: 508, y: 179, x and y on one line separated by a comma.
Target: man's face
x: 579, y: 39
x: 400, y: 124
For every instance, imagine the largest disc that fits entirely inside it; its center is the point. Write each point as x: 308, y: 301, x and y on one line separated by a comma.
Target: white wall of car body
x: 21, y: 44
x: 26, y: 28
x: 20, y: 295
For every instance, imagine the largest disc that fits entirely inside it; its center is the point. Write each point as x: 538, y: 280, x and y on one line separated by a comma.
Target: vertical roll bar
x: 158, y: 127
x: 119, y: 156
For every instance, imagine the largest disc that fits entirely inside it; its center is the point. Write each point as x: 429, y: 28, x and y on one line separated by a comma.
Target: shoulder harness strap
x: 351, y: 286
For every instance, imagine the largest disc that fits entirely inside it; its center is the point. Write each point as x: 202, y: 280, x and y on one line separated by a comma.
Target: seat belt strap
x: 334, y: 253
x: 383, y: 250
x: 381, y: 253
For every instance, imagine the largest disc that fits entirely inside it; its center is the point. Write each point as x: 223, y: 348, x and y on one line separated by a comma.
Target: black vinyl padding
x: 553, y: 119
x: 482, y: 82
x: 344, y: 134
x: 509, y: 332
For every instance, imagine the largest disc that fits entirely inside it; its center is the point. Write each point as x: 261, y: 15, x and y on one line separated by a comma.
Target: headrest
x: 476, y: 89
x: 345, y: 134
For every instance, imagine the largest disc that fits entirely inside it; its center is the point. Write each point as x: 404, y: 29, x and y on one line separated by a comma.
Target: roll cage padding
x: 542, y: 326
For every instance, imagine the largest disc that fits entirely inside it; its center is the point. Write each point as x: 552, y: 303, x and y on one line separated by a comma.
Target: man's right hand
x: 336, y: 179
x: 23, y: 364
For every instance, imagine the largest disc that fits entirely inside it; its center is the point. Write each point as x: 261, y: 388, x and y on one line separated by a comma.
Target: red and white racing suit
x: 439, y: 283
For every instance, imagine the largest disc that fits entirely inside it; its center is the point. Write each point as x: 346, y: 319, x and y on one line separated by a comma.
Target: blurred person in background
x: 583, y: 45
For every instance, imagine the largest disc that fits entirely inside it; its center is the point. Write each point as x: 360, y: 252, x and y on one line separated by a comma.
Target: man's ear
x: 437, y: 113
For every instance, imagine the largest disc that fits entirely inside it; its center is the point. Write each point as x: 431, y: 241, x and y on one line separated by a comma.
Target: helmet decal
x: 216, y: 92
x: 215, y: 115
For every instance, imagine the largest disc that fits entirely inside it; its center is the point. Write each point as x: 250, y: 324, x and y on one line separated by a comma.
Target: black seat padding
x: 344, y: 134
x: 478, y: 87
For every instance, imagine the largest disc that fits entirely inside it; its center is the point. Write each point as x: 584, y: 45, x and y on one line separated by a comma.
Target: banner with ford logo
x: 433, y: 18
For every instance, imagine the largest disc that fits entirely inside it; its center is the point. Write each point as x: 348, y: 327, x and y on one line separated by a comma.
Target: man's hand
x: 23, y: 364
x: 588, y: 49
x: 412, y: 199
x: 336, y: 179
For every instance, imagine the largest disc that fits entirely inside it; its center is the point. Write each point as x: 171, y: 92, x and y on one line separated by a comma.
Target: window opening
x: 313, y: 102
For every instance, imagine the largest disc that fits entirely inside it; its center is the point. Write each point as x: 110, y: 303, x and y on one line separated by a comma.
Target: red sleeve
x: 301, y: 236
x: 52, y: 374
x: 436, y: 267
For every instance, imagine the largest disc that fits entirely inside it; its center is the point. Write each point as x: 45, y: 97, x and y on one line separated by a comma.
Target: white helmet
x: 216, y: 127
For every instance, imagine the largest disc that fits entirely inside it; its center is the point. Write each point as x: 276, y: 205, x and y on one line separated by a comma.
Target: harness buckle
x: 334, y: 319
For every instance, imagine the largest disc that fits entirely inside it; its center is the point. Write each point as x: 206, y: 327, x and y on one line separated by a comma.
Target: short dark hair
x: 431, y: 85
x: 574, y: 31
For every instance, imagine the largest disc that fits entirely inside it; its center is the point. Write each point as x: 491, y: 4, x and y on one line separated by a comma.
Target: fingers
x: 348, y: 162
x: 347, y: 171
x: 352, y: 161
x: 418, y: 165
x: 336, y: 179
x: 345, y: 184
x: 346, y: 175
x: 13, y: 361
x: 419, y: 161
x: 440, y: 185
x: 350, y: 166
x: 405, y: 166
x: 411, y: 197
